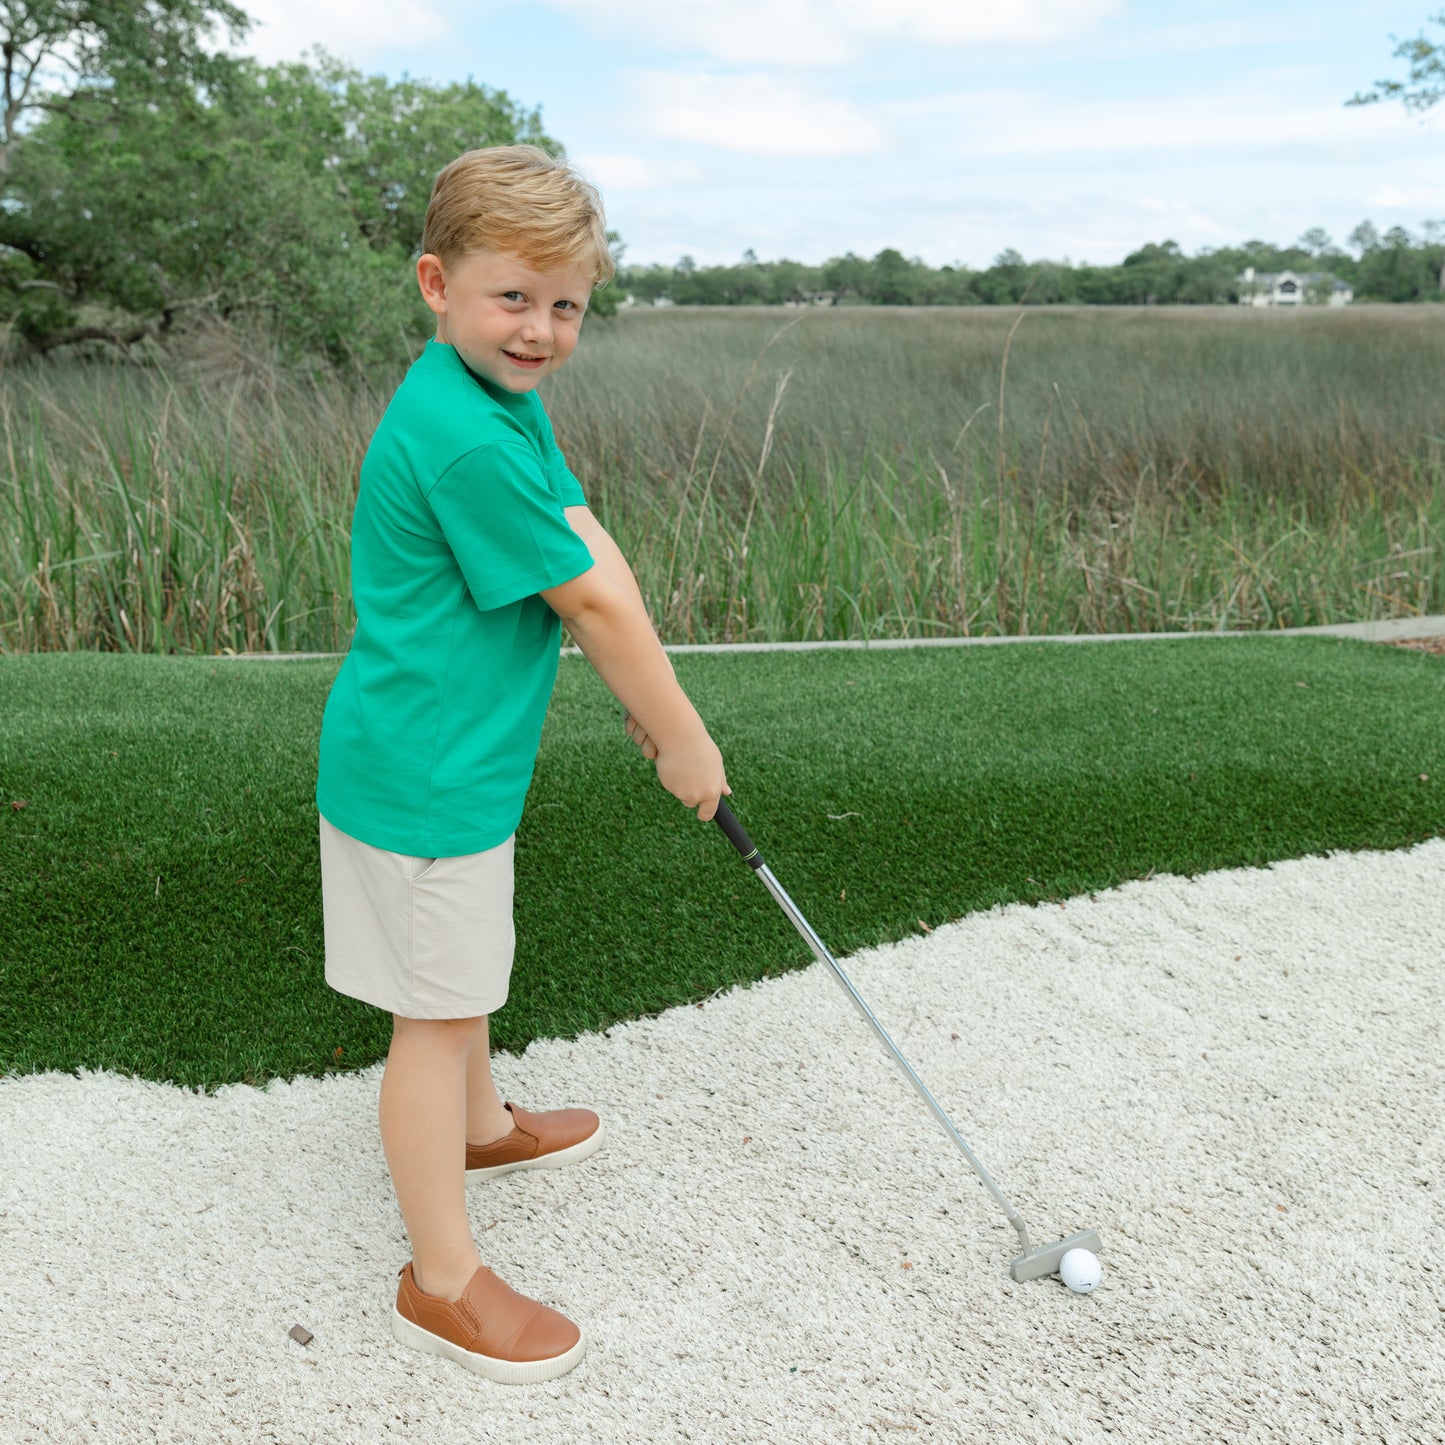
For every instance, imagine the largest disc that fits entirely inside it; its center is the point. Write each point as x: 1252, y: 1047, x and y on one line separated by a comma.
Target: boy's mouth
x: 531, y: 362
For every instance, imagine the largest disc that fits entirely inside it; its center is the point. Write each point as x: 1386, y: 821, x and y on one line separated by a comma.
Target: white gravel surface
x: 1236, y: 1079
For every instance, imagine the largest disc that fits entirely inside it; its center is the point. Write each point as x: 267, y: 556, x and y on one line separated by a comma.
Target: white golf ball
x: 1079, y: 1269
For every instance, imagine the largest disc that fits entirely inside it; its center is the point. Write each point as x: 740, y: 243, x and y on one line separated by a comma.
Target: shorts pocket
x: 420, y: 867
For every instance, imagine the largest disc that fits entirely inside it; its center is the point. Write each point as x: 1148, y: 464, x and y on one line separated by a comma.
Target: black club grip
x: 737, y: 835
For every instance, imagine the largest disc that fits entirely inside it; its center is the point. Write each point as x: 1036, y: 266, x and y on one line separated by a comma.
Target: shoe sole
x: 503, y: 1372
x: 580, y: 1150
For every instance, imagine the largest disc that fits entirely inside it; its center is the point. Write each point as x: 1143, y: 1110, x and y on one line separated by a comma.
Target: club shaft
x: 823, y: 956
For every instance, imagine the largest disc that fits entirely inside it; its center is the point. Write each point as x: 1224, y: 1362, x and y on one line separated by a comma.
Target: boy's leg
x: 487, y: 1120
x: 423, y: 1133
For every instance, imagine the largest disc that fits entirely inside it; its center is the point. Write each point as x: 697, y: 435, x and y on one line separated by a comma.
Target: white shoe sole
x: 580, y: 1150
x: 504, y: 1372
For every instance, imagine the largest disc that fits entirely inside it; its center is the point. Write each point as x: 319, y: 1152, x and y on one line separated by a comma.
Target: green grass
x: 865, y: 472
x: 160, y: 905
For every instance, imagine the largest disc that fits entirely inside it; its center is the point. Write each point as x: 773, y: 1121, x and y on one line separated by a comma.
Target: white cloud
x: 634, y: 173
x: 829, y: 32
x: 1419, y: 197
x: 753, y: 114
x: 348, y: 28
x: 1254, y: 31
x: 1019, y: 122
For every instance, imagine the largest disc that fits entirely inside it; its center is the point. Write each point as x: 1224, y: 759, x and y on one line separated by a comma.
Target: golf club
x: 1033, y: 1263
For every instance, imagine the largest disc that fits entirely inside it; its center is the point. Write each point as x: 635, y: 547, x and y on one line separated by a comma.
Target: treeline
x: 1394, y: 267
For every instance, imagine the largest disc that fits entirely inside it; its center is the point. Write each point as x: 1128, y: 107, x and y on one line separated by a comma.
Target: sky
x: 949, y: 129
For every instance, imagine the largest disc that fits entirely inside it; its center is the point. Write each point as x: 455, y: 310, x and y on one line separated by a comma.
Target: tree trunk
x: 72, y: 334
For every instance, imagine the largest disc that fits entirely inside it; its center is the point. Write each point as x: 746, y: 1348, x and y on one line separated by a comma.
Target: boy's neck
x: 512, y: 400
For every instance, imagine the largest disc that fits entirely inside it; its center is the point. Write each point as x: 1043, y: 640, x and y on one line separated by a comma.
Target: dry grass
x: 868, y: 473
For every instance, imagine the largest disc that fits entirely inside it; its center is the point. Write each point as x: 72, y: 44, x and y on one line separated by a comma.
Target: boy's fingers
x: 708, y: 811
x: 639, y: 735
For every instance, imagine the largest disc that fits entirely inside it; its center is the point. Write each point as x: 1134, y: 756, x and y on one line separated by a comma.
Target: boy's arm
x: 605, y: 552
x: 610, y: 624
x: 608, y: 556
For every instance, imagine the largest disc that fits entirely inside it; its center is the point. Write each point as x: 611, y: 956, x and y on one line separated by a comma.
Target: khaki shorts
x: 426, y: 938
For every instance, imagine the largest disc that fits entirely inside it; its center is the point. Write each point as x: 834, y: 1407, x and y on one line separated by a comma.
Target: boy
x: 471, y: 545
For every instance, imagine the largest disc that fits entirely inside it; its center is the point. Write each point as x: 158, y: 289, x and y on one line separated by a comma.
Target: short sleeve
x: 566, y: 484
x: 505, y: 525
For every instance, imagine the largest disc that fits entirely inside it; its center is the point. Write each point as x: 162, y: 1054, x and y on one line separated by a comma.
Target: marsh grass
x: 771, y: 476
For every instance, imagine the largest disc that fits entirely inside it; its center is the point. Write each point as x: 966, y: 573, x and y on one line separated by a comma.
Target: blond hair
x: 520, y: 200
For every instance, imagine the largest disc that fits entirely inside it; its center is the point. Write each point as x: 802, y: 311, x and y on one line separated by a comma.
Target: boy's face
x: 510, y: 323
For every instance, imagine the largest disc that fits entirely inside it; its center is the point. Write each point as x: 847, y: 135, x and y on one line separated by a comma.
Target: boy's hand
x: 706, y: 805
x: 638, y: 735
x: 694, y: 775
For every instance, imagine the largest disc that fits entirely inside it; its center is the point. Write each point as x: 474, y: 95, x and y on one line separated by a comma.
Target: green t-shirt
x: 431, y: 729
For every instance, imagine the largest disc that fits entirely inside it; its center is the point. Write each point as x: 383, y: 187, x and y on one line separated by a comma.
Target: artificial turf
x: 160, y: 904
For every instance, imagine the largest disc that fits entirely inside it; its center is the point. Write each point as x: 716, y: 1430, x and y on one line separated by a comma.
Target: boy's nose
x: 537, y: 328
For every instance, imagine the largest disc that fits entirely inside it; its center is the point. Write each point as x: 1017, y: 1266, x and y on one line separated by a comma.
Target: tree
x: 1005, y: 280
x: 288, y: 192
x: 136, y: 210
x: 61, y: 59
x: 606, y: 299
x: 1398, y: 270
x: 791, y: 281
x: 1153, y: 273
x: 847, y: 276
x: 390, y: 138
x: 56, y: 50
x: 1364, y: 238
x: 892, y: 279
x: 1208, y: 280
x: 1425, y: 85
x: 646, y: 283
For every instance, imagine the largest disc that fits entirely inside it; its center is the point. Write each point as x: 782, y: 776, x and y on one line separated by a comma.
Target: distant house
x: 1292, y: 288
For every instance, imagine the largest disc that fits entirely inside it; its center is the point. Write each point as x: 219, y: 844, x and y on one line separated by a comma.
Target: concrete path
x: 1397, y: 629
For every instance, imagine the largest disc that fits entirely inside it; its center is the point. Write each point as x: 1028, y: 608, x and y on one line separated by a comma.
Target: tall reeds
x: 836, y: 474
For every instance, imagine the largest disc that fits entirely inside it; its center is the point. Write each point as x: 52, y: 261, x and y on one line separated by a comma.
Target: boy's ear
x: 431, y: 276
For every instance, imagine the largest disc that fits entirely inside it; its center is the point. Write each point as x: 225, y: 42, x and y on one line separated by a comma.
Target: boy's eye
x: 511, y: 296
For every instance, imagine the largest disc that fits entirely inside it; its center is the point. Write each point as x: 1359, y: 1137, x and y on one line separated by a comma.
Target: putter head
x: 1044, y: 1261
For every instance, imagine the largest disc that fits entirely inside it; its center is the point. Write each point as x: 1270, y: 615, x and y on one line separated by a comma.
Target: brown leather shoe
x: 537, y: 1141
x: 491, y: 1329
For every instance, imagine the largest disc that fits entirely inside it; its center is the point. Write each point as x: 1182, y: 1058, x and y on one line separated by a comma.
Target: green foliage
x: 1425, y: 85
x: 1394, y: 268
x: 56, y: 49
x: 388, y: 139
x: 35, y: 305
x: 292, y: 195
x: 606, y: 299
